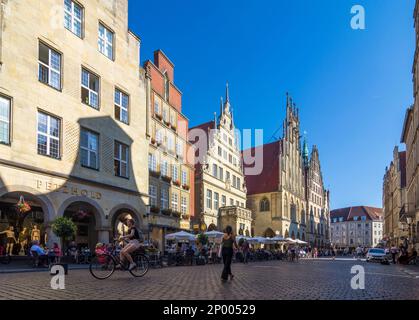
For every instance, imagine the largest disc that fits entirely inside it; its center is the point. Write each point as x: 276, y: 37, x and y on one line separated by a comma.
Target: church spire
x: 227, y: 102
x: 305, y: 150
x: 221, y: 107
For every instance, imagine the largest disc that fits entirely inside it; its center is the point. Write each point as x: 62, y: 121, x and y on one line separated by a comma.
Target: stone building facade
x: 394, y: 198
x: 171, y: 186
x: 278, y: 196
x: 356, y: 226
x: 318, y: 218
x: 220, y: 186
x: 410, y: 220
x: 72, y: 119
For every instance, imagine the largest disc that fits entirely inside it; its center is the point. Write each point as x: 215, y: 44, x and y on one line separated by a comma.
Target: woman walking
x: 229, y: 240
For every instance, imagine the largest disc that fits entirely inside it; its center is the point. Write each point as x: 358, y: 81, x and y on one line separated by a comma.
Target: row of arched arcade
x: 95, y: 221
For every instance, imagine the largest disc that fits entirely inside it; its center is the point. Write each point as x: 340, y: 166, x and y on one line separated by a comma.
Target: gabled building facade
x: 219, y: 180
x: 394, y: 198
x: 278, y: 196
x: 72, y: 120
x: 171, y: 186
x: 318, y: 222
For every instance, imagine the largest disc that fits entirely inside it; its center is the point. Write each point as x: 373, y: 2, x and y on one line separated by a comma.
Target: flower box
x: 158, y: 116
x: 167, y: 123
x: 166, y: 179
x: 155, y: 173
x: 186, y: 216
x: 153, y: 141
x: 176, y: 214
x: 176, y: 183
x: 186, y: 187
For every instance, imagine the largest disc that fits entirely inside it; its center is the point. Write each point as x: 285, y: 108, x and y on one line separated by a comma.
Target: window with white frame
x: 152, y: 190
x: 221, y: 174
x: 166, y: 87
x: 5, y: 120
x: 106, y: 41
x: 121, y: 160
x: 175, y: 172
x: 89, y: 88
x: 164, y: 168
x: 220, y: 151
x: 170, y: 142
x: 184, y: 205
x: 231, y: 202
x: 165, y: 113
x: 184, y: 178
x: 121, y: 106
x: 238, y: 183
x: 157, y: 103
x: 175, y: 202
x: 89, y: 148
x: 179, y: 148
x: 73, y: 17
x: 223, y: 201
x: 209, y: 199
x: 215, y: 170
x: 152, y: 162
x: 159, y: 136
x: 48, y: 135
x: 164, y: 199
x: 49, y: 66
x: 216, y: 201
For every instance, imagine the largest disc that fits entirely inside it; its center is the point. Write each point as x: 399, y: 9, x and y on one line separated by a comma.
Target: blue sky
x: 352, y: 87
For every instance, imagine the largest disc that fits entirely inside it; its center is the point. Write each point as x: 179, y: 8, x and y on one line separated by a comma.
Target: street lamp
x: 409, y: 223
x: 148, y: 211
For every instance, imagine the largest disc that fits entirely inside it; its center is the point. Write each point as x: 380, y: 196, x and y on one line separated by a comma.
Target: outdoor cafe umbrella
x: 290, y: 240
x: 268, y: 241
x: 181, y: 236
x: 214, y: 234
x: 298, y: 241
x: 278, y: 239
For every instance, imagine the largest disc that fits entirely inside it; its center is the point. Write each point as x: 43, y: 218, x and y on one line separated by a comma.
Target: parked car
x: 377, y: 254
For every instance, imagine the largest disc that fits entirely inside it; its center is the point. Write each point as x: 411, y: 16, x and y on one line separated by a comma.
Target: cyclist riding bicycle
x: 134, y: 238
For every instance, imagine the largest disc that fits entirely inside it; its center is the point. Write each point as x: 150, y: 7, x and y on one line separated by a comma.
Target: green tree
x: 64, y: 228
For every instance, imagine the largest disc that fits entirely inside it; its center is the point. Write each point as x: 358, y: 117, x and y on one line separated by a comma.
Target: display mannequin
x: 23, y: 241
x: 11, y: 239
x: 35, y: 234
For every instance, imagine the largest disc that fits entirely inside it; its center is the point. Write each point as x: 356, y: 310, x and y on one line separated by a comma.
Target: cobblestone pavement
x: 265, y: 280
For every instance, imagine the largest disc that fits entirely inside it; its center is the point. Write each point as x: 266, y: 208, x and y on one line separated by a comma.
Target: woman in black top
x: 134, y: 239
x: 229, y: 241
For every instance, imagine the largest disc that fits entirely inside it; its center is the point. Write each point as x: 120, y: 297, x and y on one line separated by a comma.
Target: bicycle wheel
x: 142, y: 265
x: 102, y: 266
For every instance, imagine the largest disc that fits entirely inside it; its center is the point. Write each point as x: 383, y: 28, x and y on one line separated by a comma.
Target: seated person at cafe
x: 42, y: 255
x: 73, y: 250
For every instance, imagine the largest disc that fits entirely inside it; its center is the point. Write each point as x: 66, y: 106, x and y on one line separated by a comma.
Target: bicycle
x: 5, y: 259
x: 102, y: 266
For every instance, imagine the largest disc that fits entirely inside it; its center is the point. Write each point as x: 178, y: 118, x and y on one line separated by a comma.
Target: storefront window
x: 18, y: 230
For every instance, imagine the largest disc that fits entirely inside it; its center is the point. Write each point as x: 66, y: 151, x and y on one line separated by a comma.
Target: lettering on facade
x: 67, y: 189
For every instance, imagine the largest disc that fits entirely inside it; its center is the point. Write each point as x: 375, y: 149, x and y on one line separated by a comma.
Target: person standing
x: 228, y: 244
x: 393, y: 252
x: 245, y: 249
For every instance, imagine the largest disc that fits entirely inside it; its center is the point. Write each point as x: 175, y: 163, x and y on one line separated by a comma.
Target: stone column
x: 52, y: 238
x: 104, y: 236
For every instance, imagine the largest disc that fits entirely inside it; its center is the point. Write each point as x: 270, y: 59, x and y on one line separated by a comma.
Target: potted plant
x: 202, y: 239
x: 64, y: 228
x: 185, y: 216
x: 186, y: 187
x: 158, y: 116
x: 23, y: 206
x: 153, y: 141
x: 176, y: 183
